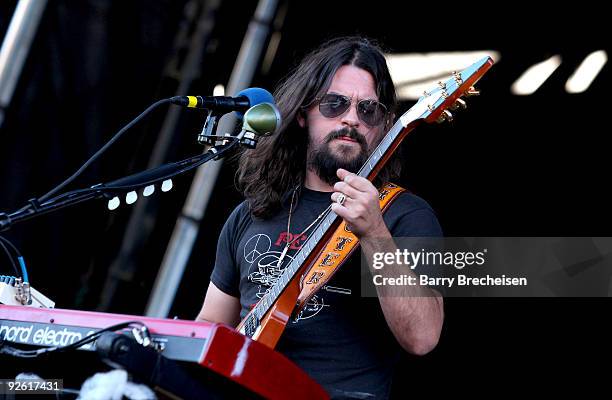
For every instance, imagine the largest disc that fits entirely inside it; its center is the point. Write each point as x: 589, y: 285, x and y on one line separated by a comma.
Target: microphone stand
x: 110, y: 189
x: 266, y: 124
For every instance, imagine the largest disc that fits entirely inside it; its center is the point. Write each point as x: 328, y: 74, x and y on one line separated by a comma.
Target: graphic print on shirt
x: 264, y: 270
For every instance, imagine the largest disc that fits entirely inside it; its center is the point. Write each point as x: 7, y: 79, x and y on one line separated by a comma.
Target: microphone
x: 263, y: 119
x: 244, y: 100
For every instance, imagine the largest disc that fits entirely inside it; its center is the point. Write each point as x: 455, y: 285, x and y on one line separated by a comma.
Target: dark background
x: 511, y: 166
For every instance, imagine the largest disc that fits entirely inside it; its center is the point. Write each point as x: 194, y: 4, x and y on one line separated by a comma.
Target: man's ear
x: 389, y: 122
x: 301, y: 119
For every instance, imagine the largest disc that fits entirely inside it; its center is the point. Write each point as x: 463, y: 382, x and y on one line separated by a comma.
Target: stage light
x: 586, y: 72
x: 535, y: 76
x: 219, y: 90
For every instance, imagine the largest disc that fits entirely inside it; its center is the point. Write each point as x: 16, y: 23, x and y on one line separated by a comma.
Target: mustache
x: 350, y: 133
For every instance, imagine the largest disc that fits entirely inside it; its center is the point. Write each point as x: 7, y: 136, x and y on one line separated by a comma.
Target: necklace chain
x: 289, y: 243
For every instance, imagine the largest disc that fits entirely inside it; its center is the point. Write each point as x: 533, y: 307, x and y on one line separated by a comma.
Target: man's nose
x: 350, y: 118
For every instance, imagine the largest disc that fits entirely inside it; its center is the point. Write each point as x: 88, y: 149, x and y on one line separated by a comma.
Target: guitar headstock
x: 436, y: 104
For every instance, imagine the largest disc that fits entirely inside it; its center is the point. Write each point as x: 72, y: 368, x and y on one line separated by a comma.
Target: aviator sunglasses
x: 369, y: 111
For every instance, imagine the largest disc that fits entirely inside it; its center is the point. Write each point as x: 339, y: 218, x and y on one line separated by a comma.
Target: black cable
x: 95, y: 335
x: 68, y: 195
x: 6, y: 349
x: 10, y: 256
x: 195, y: 162
x: 17, y: 252
x: 103, y: 187
x: 102, y: 150
x: 20, y: 259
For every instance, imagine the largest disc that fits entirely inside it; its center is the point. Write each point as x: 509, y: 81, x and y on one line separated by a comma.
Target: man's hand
x: 360, y: 210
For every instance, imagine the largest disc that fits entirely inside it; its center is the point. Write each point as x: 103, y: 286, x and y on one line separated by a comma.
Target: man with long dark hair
x: 336, y: 107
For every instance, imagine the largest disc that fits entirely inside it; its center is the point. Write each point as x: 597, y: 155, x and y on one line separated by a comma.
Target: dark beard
x: 325, y: 163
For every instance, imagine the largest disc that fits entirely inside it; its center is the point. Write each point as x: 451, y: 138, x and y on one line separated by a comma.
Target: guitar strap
x: 338, y: 249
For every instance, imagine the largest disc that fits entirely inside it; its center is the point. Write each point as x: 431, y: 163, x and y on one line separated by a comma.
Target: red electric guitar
x: 267, y: 320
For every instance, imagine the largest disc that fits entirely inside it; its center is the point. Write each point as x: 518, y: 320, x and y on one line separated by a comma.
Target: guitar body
x: 274, y: 321
x: 273, y: 324
x: 290, y: 301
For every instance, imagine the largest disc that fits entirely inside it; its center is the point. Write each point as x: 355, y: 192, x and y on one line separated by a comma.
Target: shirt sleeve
x: 410, y: 215
x: 418, y: 225
x: 226, y: 272
x: 419, y: 222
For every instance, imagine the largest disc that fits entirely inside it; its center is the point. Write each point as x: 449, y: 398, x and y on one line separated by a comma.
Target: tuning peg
x: 148, y: 191
x: 166, y: 185
x: 472, y: 91
x: 113, y: 203
x: 131, y: 197
x: 445, y: 116
x: 459, y: 104
x: 457, y: 77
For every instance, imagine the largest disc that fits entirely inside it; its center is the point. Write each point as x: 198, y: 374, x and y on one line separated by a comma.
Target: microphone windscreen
x: 255, y: 96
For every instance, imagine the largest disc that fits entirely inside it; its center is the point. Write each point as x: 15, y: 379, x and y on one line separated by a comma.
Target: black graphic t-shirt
x: 340, y: 338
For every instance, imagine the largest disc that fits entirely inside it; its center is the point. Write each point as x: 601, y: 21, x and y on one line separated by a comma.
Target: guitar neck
x: 385, y: 149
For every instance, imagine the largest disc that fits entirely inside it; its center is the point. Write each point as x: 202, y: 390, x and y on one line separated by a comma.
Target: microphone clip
x: 248, y: 139
x: 207, y: 135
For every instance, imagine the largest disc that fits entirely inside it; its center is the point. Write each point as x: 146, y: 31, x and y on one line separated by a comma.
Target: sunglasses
x: 370, y: 112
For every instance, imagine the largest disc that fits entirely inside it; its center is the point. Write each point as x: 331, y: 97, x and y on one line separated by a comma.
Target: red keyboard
x: 214, y: 346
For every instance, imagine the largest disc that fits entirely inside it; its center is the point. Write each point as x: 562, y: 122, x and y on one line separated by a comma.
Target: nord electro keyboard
x: 215, y: 347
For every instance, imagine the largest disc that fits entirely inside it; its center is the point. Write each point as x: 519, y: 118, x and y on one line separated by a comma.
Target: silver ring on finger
x: 341, y: 199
